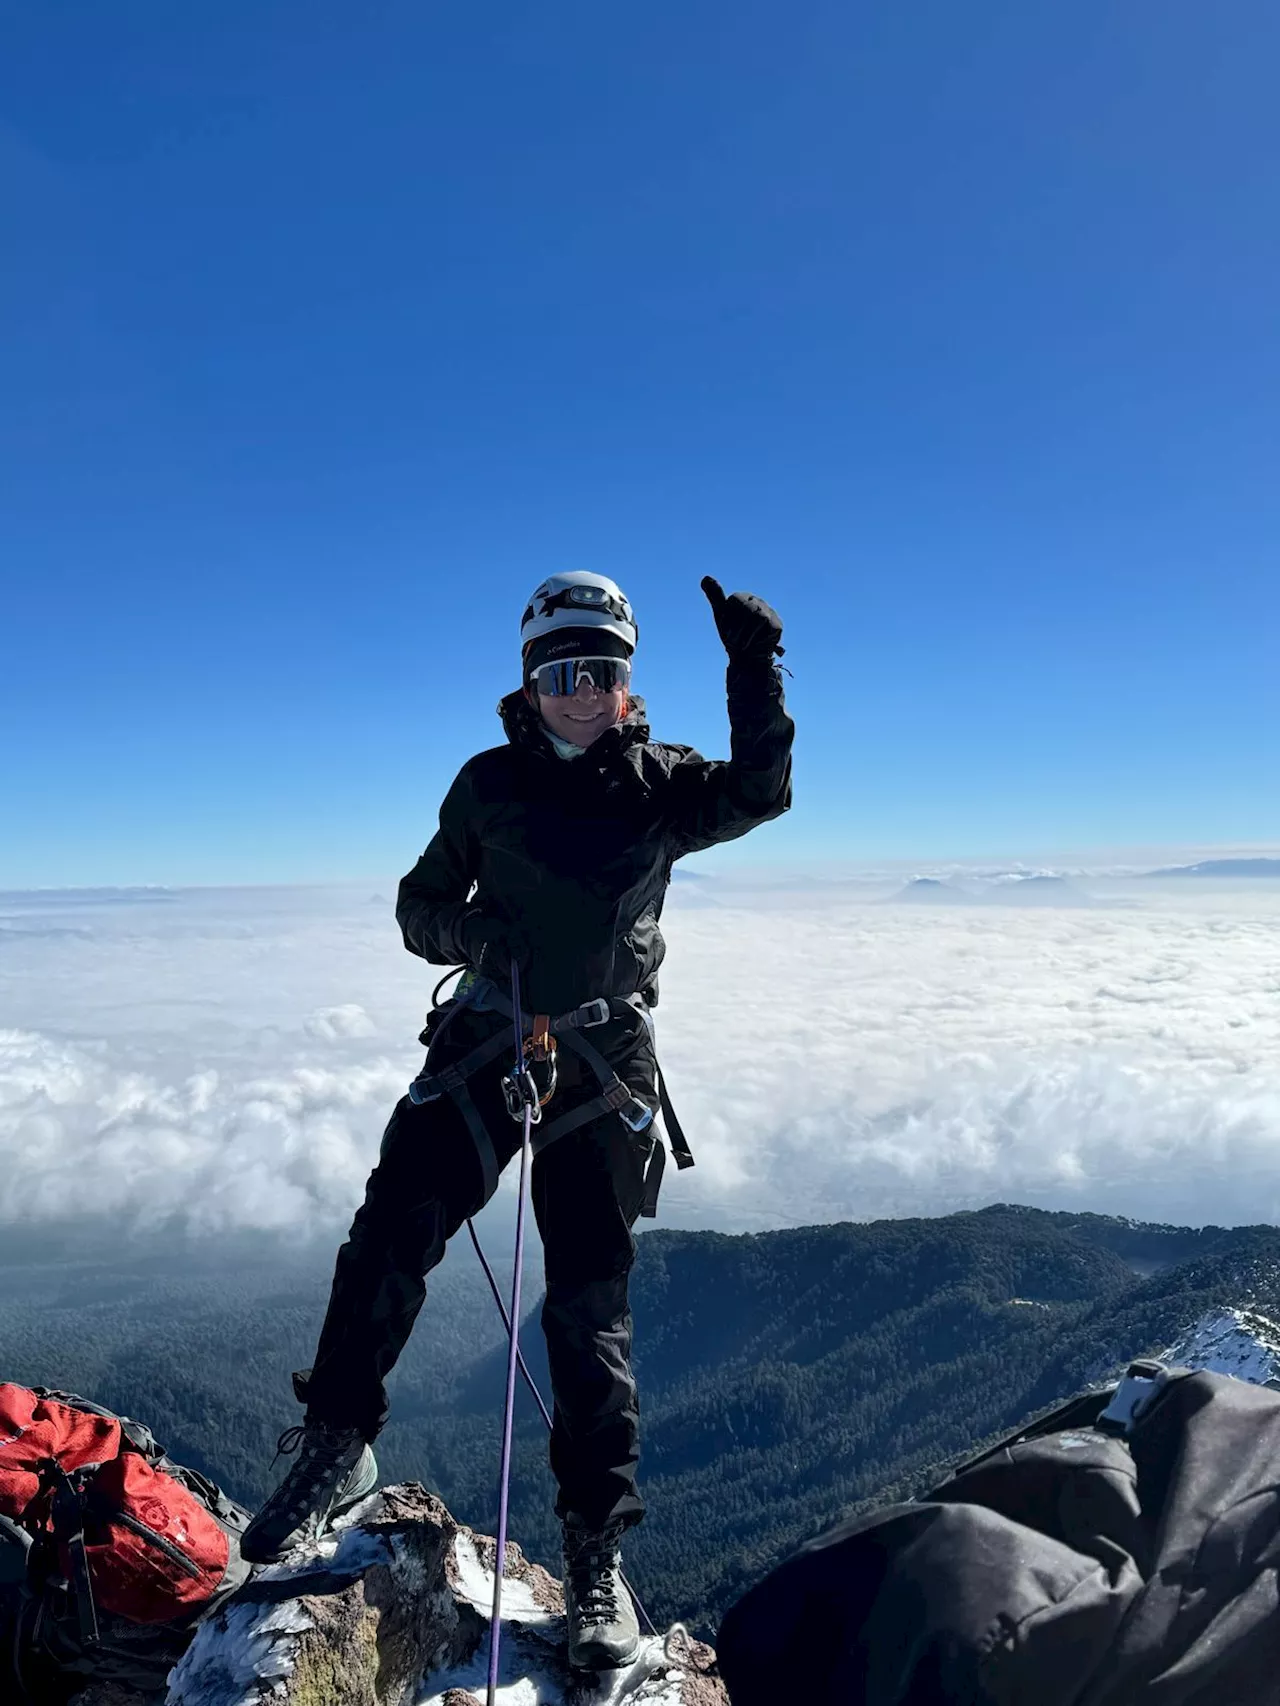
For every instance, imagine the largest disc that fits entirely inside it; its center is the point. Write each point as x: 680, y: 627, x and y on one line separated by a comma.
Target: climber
x: 553, y: 852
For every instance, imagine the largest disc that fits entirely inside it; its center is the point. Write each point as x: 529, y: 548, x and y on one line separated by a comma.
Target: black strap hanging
x: 67, y: 1513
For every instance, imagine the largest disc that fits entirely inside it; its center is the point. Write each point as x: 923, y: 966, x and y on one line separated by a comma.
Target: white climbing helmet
x: 579, y: 599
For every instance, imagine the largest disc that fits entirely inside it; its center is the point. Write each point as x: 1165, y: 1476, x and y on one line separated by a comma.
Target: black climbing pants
x: 587, y: 1190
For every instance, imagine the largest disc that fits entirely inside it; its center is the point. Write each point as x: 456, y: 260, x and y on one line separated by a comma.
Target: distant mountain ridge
x: 1049, y: 888
x: 1223, y: 868
x: 1012, y: 888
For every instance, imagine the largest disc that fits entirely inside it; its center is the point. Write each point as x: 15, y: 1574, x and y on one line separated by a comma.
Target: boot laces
x: 591, y: 1564
x: 288, y: 1443
x: 322, y: 1447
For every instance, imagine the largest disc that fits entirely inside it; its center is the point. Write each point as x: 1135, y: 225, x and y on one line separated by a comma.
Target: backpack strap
x: 67, y: 1517
x: 1143, y: 1383
x: 15, y: 1552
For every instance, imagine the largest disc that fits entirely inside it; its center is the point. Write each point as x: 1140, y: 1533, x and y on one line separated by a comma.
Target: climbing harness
x: 544, y: 1033
x: 529, y: 1094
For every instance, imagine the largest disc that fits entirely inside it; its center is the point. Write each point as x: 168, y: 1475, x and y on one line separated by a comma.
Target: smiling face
x: 585, y: 716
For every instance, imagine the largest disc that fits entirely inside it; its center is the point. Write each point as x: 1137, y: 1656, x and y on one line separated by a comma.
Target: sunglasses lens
x: 560, y: 680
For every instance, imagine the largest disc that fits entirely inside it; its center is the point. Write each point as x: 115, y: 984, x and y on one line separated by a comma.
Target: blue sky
x: 326, y: 331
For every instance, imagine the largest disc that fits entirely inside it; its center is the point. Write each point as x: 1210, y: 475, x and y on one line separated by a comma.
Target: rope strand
x: 513, y: 1333
x: 532, y: 1384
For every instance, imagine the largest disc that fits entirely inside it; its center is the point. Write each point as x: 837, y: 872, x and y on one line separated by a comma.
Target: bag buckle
x: 634, y: 1114
x: 1142, y: 1384
x: 588, y: 1016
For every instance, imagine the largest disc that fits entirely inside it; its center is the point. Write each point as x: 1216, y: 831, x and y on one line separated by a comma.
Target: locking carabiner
x: 522, y: 1089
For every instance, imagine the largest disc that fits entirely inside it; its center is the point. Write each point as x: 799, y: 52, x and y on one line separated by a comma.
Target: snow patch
x: 1238, y: 1342
x: 236, y: 1654
x: 249, y: 1645
x: 531, y: 1673
x: 475, y: 1584
x: 531, y: 1658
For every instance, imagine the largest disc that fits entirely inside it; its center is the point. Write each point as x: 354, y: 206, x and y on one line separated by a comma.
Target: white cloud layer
x: 229, y: 1058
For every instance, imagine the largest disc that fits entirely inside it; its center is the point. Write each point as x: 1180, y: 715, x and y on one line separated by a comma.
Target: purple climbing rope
x: 504, y: 1482
x: 538, y: 1399
x: 529, y: 1381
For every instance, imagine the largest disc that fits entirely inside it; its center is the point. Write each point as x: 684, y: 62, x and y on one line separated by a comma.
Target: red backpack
x: 120, y: 1535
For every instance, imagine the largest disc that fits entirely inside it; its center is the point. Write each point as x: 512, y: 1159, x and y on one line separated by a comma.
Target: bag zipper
x: 175, y: 1553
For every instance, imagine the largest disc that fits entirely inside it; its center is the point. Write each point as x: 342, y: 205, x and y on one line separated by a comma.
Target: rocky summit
x: 393, y: 1609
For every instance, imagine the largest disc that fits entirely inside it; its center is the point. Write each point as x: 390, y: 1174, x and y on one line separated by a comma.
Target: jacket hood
x: 524, y: 727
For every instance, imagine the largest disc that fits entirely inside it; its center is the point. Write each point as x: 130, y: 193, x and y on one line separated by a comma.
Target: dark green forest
x: 787, y: 1377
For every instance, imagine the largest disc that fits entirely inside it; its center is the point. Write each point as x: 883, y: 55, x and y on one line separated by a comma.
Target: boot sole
x: 594, y: 1660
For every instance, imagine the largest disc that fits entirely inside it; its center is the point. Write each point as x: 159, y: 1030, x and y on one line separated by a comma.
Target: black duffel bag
x: 1123, y: 1550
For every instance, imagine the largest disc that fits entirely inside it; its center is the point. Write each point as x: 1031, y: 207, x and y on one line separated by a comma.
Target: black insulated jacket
x: 563, y: 864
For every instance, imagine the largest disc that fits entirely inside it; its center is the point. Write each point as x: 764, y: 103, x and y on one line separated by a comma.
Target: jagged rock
x: 393, y: 1610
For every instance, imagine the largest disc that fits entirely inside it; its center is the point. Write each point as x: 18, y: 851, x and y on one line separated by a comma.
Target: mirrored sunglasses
x: 560, y: 680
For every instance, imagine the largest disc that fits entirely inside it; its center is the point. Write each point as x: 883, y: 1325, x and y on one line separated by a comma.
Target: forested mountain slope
x: 785, y: 1376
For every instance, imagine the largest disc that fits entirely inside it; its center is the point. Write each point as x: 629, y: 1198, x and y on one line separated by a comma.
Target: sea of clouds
x: 227, y: 1059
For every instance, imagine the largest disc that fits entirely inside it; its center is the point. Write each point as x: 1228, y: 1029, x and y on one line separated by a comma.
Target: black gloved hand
x: 750, y: 629
x: 493, y: 944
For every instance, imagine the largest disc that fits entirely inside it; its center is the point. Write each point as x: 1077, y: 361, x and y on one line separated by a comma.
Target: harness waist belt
x: 614, y: 1096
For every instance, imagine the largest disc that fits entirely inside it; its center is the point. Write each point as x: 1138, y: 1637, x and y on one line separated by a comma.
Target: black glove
x: 750, y: 629
x: 492, y: 944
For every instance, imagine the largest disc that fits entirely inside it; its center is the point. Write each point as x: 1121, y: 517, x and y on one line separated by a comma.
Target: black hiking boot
x: 603, y: 1631
x: 335, y: 1469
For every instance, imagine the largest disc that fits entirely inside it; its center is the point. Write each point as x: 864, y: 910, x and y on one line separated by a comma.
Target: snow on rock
x: 1239, y: 1342
x: 393, y: 1609
x: 359, y: 1616
x: 668, y: 1670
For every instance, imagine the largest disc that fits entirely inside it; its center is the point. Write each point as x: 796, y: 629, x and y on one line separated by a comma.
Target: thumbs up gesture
x: 750, y: 629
